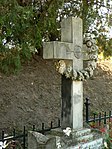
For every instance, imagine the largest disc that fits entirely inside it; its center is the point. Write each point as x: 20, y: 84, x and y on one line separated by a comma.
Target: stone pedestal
x: 57, y: 139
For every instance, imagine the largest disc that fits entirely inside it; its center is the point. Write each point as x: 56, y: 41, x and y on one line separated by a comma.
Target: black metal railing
x: 43, y: 129
x: 103, y: 117
x: 21, y: 139
x: 15, y: 141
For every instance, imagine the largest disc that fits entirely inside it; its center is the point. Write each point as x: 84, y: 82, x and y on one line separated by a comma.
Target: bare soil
x: 34, y: 95
x: 99, y: 88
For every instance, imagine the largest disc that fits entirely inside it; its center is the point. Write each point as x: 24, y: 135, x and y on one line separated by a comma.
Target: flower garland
x: 89, y: 44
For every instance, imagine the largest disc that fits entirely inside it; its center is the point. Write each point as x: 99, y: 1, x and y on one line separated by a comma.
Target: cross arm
x: 57, y: 50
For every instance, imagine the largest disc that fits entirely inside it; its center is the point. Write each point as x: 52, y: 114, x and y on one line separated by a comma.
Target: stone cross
x: 69, y: 49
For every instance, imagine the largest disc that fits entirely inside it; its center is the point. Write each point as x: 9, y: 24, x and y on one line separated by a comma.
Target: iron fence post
x: 33, y: 128
x: 14, y: 134
x: 43, y: 128
x: 51, y: 125
x: 100, y: 119
x: 87, y: 103
x: 2, y: 135
x: 109, y: 116
x: 105, y: 118
x: 24, y: 137
x: 59, y: 124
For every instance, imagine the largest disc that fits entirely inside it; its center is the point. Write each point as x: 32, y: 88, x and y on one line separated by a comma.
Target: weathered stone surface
x: 57, y: 50
x: 72, y: 91
x: 86, y: 138
x: 39, y: 141
x: 96, y: 144
x: 57, y: 139
x: 56, y: 132
x: 81, y: 132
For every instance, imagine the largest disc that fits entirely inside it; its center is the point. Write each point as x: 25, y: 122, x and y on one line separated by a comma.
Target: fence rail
x: 21, y: 139
x: 100, y: 117
x: 15, y: 140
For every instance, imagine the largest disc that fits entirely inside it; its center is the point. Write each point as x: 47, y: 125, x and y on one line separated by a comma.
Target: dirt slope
x: 34, y: 95
x: 99, y: 88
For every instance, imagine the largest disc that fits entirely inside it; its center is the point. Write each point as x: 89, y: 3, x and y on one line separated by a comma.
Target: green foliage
x: 108, y: 48
x: 10, y: 63
x: 15, y: 22
x: 22, y: 28
x: 24, y: 24
x: 105, y: 46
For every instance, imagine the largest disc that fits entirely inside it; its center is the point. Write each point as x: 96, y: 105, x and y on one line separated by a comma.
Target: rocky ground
x: 34, y: 95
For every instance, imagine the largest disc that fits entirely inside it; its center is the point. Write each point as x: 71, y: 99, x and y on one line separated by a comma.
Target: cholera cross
x: 69, y: 50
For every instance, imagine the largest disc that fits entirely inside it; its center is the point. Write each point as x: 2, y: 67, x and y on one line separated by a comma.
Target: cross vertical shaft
x: 72, y: 91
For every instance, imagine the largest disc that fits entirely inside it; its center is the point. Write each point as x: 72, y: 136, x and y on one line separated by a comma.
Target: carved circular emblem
x: 77, y: 52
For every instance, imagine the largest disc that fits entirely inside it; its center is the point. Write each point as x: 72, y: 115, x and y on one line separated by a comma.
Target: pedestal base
x: 57, y: 139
